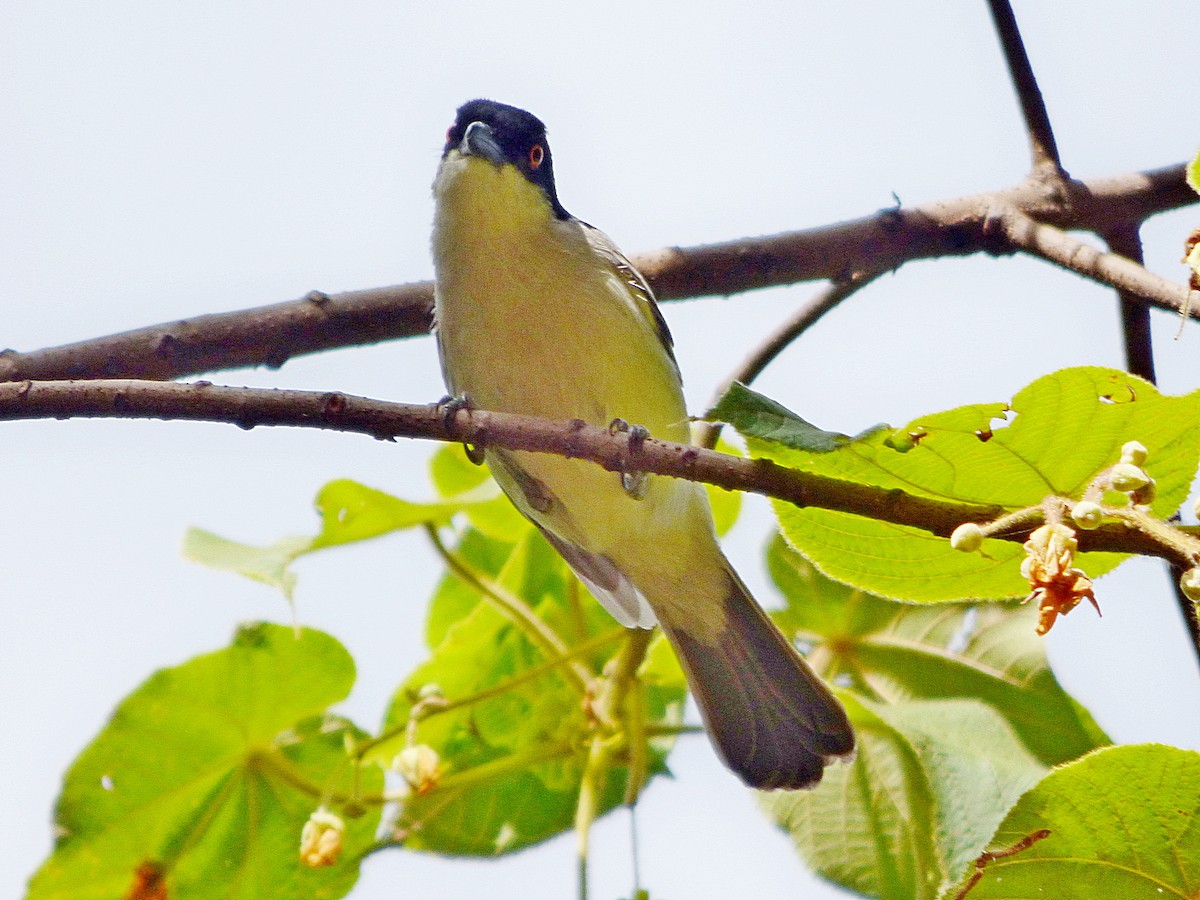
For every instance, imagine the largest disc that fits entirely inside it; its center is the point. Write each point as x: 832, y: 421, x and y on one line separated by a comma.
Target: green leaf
x: 349, y: 512
x: 269, y: 564
x: 1057, y: 435
x: 1122, y: 823
x: 896, y: 652
x: 455, y: 476
x: 956, y: 713
x: 755, y: 415
x: 514, y: 743
x: 354, y: 512
x: 1193, y: 173
x: 928, y: 784
x: 207, y: 773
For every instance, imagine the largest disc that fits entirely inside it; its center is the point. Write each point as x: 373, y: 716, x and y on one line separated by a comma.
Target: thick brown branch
x: 270, y: 335
x: 251, y: 407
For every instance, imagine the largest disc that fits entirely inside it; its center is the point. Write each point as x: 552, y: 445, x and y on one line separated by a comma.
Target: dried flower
x: 1048, y: 567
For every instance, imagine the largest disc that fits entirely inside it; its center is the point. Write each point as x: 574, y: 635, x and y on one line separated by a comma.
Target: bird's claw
x: 450, y: 406
x: 633, y: 481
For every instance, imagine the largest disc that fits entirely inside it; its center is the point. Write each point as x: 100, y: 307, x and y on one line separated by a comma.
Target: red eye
x: 536, y: 154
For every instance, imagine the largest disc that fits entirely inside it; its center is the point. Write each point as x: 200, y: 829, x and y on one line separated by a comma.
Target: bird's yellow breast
x: 531, y: 319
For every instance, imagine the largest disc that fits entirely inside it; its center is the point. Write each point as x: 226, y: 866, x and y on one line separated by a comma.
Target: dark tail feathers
x: 772, y: 720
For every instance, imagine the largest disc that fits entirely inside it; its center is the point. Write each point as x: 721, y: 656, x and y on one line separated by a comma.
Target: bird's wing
x: 639, y: 288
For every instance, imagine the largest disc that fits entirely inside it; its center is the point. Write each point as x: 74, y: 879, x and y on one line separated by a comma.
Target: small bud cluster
x: 1056, y: 584
x: 1128, y: 476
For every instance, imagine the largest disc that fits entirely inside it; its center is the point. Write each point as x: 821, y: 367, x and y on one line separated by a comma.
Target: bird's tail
x: 772, y: 720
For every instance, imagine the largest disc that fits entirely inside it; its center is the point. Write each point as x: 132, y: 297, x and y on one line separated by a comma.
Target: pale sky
x: 166, y: 160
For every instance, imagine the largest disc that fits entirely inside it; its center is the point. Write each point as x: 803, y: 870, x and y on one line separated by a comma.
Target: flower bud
x: 1087, y: 515
x: 1134, y: 453
x: 1189, y: 583
x: 430, y: 690
x: 967, y: 537
x: 1127, y: 478
x: 418, y: 765
x: 1145, y: 495
x: 321, y: 839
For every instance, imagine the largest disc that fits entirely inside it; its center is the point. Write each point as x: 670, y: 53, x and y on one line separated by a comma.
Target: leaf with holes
x: 1054, y: 438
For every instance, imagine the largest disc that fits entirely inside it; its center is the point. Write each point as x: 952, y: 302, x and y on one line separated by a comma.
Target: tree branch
x: 271, y: 335
x: 1135, y: 316
x: 1042, y: 146
x: 252, y: 407
x: 1021, y: 232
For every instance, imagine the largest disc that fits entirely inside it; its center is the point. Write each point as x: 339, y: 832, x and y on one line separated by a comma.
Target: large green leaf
x: 1123, y: 822
x: 206, y: 775
x: 929, y: 783
x: 1054, y: 438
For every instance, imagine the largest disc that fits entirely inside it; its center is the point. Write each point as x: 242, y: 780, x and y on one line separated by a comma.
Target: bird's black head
x: 506, y: 134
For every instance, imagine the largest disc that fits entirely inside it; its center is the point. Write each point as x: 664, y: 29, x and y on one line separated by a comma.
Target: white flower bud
x: 967, y: 537
x: 418, y: 765
x: 1127, y: 478
x: 321, y: 839
x: 1134, y: 453
x: 1087, y: 515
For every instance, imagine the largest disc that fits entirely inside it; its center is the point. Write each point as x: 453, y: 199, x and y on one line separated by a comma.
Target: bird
x: 538, y: 312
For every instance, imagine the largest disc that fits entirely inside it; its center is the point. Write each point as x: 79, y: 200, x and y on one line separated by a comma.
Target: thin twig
x: 1042, y: 146
x: 804, y: 318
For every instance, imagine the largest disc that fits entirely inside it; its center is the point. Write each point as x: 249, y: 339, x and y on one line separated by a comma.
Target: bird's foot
x: 633, y: 481
x: 450, y: 407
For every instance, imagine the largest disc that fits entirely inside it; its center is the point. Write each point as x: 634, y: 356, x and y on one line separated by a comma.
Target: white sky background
x: 164, y: 160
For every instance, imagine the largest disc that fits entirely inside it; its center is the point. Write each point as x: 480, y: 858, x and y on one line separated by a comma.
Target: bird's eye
x: 536, y: 154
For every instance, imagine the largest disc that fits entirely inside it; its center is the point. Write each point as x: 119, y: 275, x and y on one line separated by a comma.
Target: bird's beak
x: 479, y: 141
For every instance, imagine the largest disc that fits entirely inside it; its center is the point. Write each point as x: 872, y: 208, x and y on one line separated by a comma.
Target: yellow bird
x: 538, y: 312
